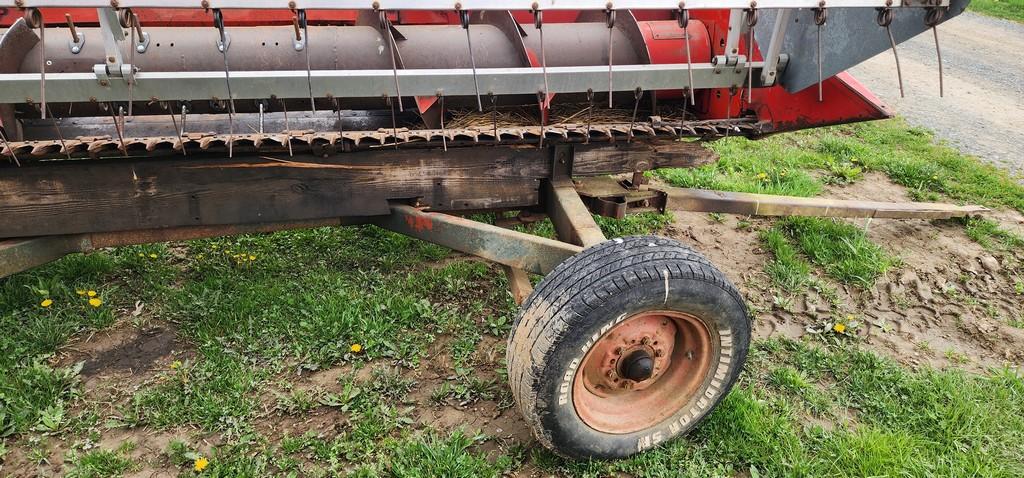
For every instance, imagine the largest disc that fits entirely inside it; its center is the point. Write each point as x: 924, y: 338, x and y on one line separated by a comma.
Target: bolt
x: 103, y: 83
x: 113, y: 3
x: 689, y: 355
x: 205, y: 4
x: 645, y: 340
x: 618, y: 350
x: 659, y: 353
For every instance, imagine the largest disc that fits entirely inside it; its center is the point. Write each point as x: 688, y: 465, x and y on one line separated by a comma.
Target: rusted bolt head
x: 659, y: 353
x: 645, y: 340
x: 205, y: 4
x: 103, y: 83
x: 618, y: 350
x: 113, y: 3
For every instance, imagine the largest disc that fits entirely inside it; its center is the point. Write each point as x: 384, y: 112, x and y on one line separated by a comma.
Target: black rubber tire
x: 590, y: 291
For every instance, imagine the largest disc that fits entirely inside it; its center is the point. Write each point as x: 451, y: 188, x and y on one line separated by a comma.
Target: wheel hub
x: 642, y: 371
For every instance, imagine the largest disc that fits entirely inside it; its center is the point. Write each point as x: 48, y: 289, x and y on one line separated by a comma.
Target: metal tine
x: 394, y: 121
x: 7, y: 145
x: 287, y: 127
x: 131, y: 21
x: 464, y: 20
x: 218, y: 23
x: 117, y: 128
x: 682, y: 120
x: 543, y: 124
x: 301, y: 22
x: 728, y: 106
x: 262, y: 109
x: 179, y: 132
x: 751, y: 22
x: 610, y: 12
x: 590, y: 112
x: 684, y: 22
x: 34, y: 18
x: 932, y: 19
x: 494, y: 116
x: 385, y: 26
x: 337, y: 111
x: 444, y: 136
x: 60, y: 134
x: 71, y: 26
x: 638, y: 93
x: 820, y: 17
x: 538, y: 23
x: 542, y: 96
x: 884, y: 19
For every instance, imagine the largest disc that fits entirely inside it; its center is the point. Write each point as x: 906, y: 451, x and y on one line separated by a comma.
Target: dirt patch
x: 950, y: 302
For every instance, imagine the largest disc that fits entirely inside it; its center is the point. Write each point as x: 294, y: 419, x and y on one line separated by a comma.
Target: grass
x: 1008, y: 9
x: 802, y: 163
x: 840, y: 249
x: 805, y: 410
x: 988, y: 233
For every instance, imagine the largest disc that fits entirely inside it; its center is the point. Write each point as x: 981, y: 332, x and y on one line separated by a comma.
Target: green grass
x: 101, y: 463
x: 801, y: 163
x: 787, y: 269
x: 870, y: 418
x: 842, y: 250
x: 988, y: 233
x: 1008, y: 9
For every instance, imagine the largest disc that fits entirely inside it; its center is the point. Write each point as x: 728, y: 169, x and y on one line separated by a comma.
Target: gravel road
x: 982, y: 112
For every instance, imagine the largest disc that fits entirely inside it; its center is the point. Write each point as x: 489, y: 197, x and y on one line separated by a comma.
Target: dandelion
x: 142, y: 255
x: 762, y: 176
x: 356, y: 348
x: 95, y: 302
x: 46, y: 303
x: 252, y: 257
x: 79, y: 291
x: 152, y: 255
x: 91, y: 293
x: 201, y: 463
x: 839, y: 328
x: 175, y: 365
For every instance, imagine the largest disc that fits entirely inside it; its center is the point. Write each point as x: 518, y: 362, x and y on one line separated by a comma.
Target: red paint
x: 846, y: 100
x: 419, y: 223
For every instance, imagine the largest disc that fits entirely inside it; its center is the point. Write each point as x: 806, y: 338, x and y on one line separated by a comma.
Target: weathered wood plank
x: 86, y: 196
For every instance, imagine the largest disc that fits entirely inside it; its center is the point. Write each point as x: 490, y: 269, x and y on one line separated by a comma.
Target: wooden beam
x: 63, y: 197
x: 571, y: 218
x: 700, y: 200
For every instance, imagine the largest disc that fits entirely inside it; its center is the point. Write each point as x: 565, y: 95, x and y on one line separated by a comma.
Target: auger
x: 381, y: 119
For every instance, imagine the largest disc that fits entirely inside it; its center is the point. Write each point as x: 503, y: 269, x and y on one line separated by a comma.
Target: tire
x: 594, y: 328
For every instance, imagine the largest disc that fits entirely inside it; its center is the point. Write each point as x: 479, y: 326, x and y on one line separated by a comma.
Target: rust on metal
x: 518, y: 284
x: 571, y: 218
x: 671, y: 351
x: 534, y: 254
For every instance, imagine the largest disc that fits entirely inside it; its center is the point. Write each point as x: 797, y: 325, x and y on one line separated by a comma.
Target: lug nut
x: 659, y: 353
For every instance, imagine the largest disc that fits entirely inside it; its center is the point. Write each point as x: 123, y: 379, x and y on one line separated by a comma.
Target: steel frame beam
x: 204, y: 85
x: 534, y: 254
x: 471, y: 5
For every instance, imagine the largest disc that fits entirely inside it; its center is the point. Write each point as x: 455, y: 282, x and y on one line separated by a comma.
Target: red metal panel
x: 845, y: 101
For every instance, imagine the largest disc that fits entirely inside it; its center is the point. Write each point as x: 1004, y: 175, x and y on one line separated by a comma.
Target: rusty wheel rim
x: 618, y: 390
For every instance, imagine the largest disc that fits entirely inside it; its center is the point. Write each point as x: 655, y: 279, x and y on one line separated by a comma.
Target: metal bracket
x: 223, y: 47
x: 769, y: 74
x: 76, y: 45
x: 142, y: 44
x: 113, y: 34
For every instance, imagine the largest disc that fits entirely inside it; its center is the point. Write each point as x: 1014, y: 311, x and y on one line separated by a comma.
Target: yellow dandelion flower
x: 95, y: 302
x: 152, y: 256
x: 252, y: 257
x: 46, y: 303
x: 175, y: 365
x: 91, y: 293
x: 79, y: 291
x: 762, y: 175
x: 356, y: 348
x: 839, y: 328
x: 201, y: 463
x: 142, y: 255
